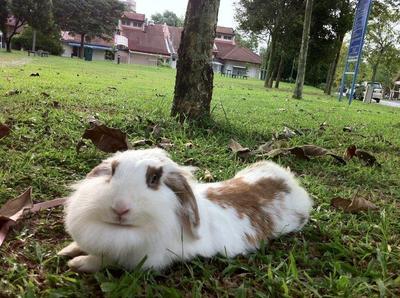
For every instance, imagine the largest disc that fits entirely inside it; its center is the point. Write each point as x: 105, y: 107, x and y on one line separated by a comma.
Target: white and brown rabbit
x: 140, y: 203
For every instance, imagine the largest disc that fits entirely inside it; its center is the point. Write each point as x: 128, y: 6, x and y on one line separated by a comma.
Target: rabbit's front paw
x: 87, y: 264
x: 72, y: 250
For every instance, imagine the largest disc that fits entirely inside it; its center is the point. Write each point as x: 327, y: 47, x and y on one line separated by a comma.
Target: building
x: 138, y: 41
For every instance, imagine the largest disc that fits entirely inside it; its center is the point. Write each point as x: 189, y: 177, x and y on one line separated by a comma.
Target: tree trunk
x: 8, y: 44
x: 194, y: 75
x: 374, y: 71
x: 273, y: 75
x: 34, y: 41
x: 82, y: 48
x: 292, y: 70
x: 279, y: 74
x: 270, y: 61
x: 301, y: 70
x: 332, y: 69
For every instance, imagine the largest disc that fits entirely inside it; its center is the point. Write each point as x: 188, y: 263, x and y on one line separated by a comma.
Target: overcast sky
x: 149, y: 7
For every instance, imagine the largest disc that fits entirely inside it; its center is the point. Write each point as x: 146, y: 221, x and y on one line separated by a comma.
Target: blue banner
x: 356, y: 45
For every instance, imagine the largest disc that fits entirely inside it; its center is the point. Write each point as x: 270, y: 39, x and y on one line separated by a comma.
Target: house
x: 138, y: 41
x: 10, y: 26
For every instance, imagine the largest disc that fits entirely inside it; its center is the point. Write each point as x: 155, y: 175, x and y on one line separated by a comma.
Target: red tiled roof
x: 66, y: 36
x: 228, y: 51
x: 225, y: 30
x: 149, y: 41
x: 175, y: 35
x: 133, y: 16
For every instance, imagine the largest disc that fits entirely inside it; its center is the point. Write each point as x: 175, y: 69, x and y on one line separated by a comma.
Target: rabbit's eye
x: 153, y: 176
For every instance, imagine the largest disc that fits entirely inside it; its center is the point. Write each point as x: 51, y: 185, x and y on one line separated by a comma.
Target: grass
x: 337, y: 254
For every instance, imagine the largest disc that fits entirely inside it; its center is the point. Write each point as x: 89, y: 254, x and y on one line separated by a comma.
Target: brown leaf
x: 306, y: 151
x: 350, y: 152
x: 45, y: 94
x: 354, y: 206
x: 348, y: 129
x: 189, y: 145
x: 276, y: 152
x: 208, y: 176
x: 93, y: 121
x: 237, y: 149
x: 56, y: 104
x: 35, y: 74
x: 12, y: 207
x: 366, y: 157
x: 4, y: 131
x: 107, y: 139
x: 165, y: 144
x: 142, y: 143
x: 156, y: 131
x: 13, y: 92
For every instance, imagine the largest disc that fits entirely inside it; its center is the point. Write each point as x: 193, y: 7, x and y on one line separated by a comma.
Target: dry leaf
x: 56, y: 104
x: 350, y: 152
x: 189, y: 145
x: 348, y: 129
x: 45, y: 94
x: 366, y: 157
x: 12, y: 207
x: 35, y: 74
x: 4, y: 131
x: 156, y: 131
x: 208, y: 176
x: 107, y: 139
x: 238, y: 149
x: 165, y: 144
x: 13, y: 92
x: 354, y: 206
x: 142, y: 143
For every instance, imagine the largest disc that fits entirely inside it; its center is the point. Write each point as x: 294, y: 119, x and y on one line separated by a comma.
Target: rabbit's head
x: 136, y: 190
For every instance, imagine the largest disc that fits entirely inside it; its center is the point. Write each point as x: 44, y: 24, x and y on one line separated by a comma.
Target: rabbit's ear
x: 188, y: 213
x: 106, y: 168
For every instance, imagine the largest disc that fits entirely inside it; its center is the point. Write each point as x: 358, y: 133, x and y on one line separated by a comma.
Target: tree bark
x: 82, y: 48
x: 268, y: 75
x: 374, y: 70
x: 332, y: 69
x: 301, y: 70
x: 34, y: 40
x: 194, y: 76
x: 279, y: 74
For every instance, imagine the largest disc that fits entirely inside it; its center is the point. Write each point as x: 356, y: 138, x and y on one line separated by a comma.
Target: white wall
x: 98, y: 55
x: 253, y: 70
x: 67, y: 50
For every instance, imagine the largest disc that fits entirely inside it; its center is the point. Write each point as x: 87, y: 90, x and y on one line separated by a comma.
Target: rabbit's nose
x: 121, y: 211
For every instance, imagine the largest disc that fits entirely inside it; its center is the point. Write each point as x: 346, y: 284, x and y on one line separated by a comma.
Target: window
x: 219, y: 36
x: 227, y: 37
x: 136, y: 24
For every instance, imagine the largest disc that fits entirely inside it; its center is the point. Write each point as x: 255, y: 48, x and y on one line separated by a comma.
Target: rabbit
x: 139, y: 205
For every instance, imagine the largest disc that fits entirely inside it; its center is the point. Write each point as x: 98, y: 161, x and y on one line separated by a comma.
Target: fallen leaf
x: 208, y: 177
x: 156, y: 131
x: 189, y: 145
x: 238, y: 149
x: 350, y: 152
x: 348, y: 129
x: 4, y: 131
x: 142, y: 143
x: 10, y: 209
x: 45, y: 94
x: 36, y: 74
x: 165, y: 143
x: 56, y: 104
x: 93, y: 121
x: 13, y: 92
x: 107, y: 139
x: 364, y: 156
x: 354, y: 206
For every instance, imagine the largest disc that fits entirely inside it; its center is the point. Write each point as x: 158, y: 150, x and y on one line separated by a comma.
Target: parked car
x: 377, y: 92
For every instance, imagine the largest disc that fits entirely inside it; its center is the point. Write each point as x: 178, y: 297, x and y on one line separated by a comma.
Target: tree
x: 301, y: 70
x: 194, y: 76
x: 249, y: 41
x: 167, y: 17
x: 88, y: 18
x: 36, y: 13
x: 382, y: 35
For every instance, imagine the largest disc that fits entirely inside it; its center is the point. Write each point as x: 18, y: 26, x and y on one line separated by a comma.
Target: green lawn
x: 337, y: 254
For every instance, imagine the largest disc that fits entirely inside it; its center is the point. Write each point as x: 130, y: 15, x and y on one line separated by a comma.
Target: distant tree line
x: 281, y: 22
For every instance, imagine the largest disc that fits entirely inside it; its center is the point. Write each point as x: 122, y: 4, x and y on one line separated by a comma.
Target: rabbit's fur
x: 140, y: 203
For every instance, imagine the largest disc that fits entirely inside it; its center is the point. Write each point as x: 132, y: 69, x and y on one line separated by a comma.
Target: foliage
x: 168, y: 17
x: 336, y: 254
x: 46, y: 42
x: 88, y: 18
x: 382, y: 45
x: 36, y: 13
x: 249, y: 41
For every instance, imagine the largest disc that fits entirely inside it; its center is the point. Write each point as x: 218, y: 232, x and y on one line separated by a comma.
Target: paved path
x: 395, y: 104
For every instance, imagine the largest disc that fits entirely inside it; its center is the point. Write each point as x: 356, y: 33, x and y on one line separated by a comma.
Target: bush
x: 46, y: 42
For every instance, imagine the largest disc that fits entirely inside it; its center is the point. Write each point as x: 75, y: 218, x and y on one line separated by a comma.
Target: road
x: 395, y: 104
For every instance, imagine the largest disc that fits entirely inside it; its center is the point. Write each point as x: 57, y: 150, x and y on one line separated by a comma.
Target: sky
x: 149, y: 7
